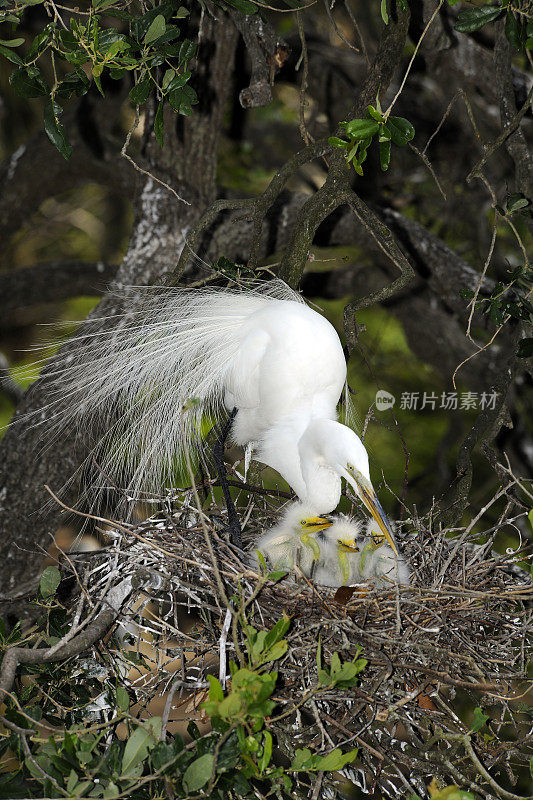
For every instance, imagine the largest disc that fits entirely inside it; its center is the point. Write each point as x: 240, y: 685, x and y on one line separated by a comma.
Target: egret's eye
x: 303, y: 522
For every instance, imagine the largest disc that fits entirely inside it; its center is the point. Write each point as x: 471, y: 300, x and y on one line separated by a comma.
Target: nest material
x: 456, y: 638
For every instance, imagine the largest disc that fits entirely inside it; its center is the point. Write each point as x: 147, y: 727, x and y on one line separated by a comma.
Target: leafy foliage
x: 361, y: 132
x: 84, y: 760
x: 151, y: 46
x: 518, y: 22
x: 510, y: 300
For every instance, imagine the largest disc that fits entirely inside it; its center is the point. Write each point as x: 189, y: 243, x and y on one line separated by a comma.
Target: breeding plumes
x: 150, y: 383
x: 332, y: 551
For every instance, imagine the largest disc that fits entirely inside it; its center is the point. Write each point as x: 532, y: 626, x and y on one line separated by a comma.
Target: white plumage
x: 380, y: 562
x: 332, y: 551
x: 150, y: 383
x: 294, y: 542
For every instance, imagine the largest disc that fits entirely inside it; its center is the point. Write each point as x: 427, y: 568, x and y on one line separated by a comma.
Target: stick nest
x: 455, y: 639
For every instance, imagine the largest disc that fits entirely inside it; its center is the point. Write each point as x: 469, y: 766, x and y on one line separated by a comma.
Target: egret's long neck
x: 321, y: 481
x: 280, y: 451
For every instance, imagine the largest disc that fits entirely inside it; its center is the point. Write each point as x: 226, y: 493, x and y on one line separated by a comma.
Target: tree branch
x: 51, y: 281
x: 111, y: 606
x: 267, y: 52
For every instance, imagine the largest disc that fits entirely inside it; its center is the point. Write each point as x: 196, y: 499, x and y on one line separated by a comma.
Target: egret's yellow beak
x: 366, y: 492
x: 347, y: 546
x: 315, y: 523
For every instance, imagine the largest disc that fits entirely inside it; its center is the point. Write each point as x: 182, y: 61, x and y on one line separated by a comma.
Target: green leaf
x: 116, y: 48
x: 38, y: 44
x: 361, y: 128
x: 384, y: 154
x: 109, y: 37
x: 97, y: 70
x: 277, y: 633
x: 74, y: 82
x: 158, y: 124
x: 156, y: 29
x: 11, y: 56
x: 301, y: 757
x: 11, y: 42
x: 161, y: 755
x: 336, y: 142
x: 384, y: 13
x: 181, y: 13
x: 276, y: 575
x: 244, y: 6
x: 216, y: 692
x: 182, y: 98
x: 513, y: 30
x: 123, y: 698
x: 51, y: 577
x: 111, y: 790
x: 332, y: 761
x: 525, y: 348
x: 141, y: 91
x: 186, y: 51
x: 72, y: 781
x: 167, y: 78
x: 28, y: 82
x: 375, y: 114
x: 516, y: 202
x: 143, y: 739
x: 177, y: 82
x: 474, y: 18
x: 264, y: 760
x: 276, y: 652
x: 198, y: 773
x: 479, y: 719
x: 401, y: 130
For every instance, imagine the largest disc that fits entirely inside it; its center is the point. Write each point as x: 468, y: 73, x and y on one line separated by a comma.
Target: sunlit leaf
x: 51, y: 577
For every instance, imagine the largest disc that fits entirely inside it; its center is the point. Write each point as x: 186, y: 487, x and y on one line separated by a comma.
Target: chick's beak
x: 316, y: 523
x: 347, y: 546
x: 366, y: 492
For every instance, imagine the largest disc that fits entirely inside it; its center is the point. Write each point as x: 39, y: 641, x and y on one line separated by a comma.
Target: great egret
x: 333, y: 551
x: 151, y: 381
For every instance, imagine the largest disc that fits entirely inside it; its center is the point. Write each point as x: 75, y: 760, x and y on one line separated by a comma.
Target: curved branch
x: 267, y: 51
x: 111, y: 607
x: 50, y: 281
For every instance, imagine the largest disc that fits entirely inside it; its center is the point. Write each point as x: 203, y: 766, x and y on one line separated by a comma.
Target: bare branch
x: 51, y: 281
x: 267, y: 51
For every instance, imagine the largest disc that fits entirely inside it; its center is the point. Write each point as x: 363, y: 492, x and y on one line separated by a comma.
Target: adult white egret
x: 263, y: 354
x: 333, y: 551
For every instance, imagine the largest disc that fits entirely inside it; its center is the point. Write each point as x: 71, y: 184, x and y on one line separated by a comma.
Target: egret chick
x: 340, y: 549
x: 349, y: 557
x: 379, y: 562
x: 331, y: 550
x: 293, y: 542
